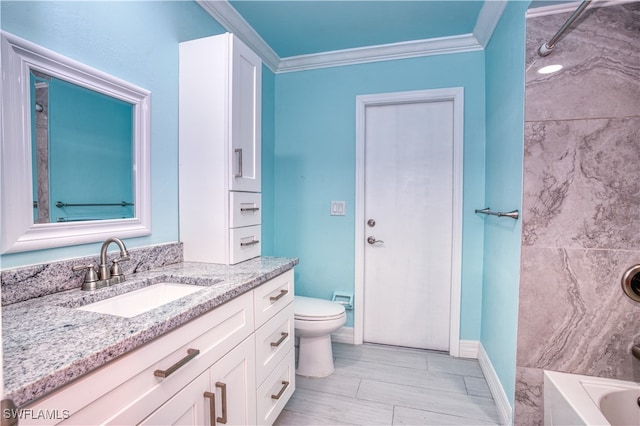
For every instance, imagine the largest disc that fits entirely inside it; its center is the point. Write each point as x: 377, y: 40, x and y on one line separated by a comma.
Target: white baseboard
x: 343, y: 335
x: 497, y: 391
x: 469, y: 349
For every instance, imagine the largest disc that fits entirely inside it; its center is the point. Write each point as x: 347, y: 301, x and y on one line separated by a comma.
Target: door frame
x: 455, y: 94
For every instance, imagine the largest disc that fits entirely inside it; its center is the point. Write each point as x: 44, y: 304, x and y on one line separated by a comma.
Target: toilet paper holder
x: 343, y: 298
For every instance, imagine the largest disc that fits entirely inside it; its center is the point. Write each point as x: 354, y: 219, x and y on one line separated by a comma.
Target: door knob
x: 371, y: 223
x: 372, y: 240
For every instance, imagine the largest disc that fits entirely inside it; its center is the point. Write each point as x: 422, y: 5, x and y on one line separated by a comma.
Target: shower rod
x: 547, y: 47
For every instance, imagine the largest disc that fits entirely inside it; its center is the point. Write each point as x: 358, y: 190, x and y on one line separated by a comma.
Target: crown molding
x: 571, y: 7
x: 488, y: 19
x: 384, y: 52
x: 232, y: 21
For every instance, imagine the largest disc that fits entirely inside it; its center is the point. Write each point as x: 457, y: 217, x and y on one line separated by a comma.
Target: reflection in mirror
x: 75, y: 145
x: 75, y: 129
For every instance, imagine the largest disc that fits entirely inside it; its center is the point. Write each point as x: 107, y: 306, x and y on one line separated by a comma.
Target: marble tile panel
x: 340, y: 411
x: 400, y: 375
x: 573, y: 314
x: 411, y: 416
x: 529, y: 401
x: 582, y: 184
x: 601, y: 61
x: 471, y: 407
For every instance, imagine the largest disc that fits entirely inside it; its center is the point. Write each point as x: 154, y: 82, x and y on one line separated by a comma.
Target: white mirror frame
x: 19, y: 233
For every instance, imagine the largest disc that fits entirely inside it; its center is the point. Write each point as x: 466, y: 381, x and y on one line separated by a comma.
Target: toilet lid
x: 310, y: 308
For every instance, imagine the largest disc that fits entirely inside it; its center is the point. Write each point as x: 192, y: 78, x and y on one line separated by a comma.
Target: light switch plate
x: 337, y: 208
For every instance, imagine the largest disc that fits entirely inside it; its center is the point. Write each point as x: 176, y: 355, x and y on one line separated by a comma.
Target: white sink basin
x: 139, y: 301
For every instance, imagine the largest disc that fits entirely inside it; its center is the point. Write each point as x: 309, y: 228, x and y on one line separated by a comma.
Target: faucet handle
x: 91, y: 276
x: 115, y: 268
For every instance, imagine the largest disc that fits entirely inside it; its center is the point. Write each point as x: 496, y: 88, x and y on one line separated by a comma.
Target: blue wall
x: 135, y: 41
x: 87, y: 128
x: 504, y: 162
x: 315, y: 163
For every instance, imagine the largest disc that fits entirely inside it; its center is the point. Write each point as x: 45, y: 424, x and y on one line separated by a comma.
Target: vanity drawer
x: 245, y: 243
x: 273, y: 342
x: 271, y: 297
x: 246, y: 209
x: 276, y: 390
x: 126, y: 390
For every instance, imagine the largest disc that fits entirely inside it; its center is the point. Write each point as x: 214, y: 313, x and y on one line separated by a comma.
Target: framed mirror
x: 75, y: 152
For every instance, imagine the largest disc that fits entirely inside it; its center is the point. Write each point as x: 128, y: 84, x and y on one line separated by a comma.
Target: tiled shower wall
x: 581, y: 206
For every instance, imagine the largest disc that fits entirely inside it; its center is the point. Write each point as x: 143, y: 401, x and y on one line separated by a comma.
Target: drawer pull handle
x: 250, y: 243
x: 223, y: 388
x: 285, y: 385
x: 280, y: 296
x: 280, y: 340
x: 191, y: 353
x: 249, y: 209
x: 212, y: 406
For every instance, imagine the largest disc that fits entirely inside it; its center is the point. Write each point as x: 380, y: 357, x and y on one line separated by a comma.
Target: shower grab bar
x: 61, y: 204
x: 547, y: 48
x: 515, y: 214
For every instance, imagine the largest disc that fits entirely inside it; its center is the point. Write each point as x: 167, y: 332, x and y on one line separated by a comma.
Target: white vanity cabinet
x: 236, y: 360
x: 220, y: 150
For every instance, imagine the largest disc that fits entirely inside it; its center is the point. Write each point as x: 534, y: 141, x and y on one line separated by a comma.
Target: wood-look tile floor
x: 383, y: 385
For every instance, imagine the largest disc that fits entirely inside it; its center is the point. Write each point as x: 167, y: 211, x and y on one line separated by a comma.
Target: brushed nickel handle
x: 280, y: 340
x: 280, y: 296
x: 212, y: 406
x: 250, y: 243
x: 372, y: 240
x: 223, y: 388
x: 249, y: 209
x: 239, y: 152
x: 191, y: 353
x: 285, y: 385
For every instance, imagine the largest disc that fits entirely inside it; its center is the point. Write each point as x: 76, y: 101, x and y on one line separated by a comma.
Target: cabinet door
x: 187, y: 407
x: 233, y: 382
x: 246, y: 121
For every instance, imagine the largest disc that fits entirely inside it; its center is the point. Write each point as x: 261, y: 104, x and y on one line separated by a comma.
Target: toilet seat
x: 310, y: 309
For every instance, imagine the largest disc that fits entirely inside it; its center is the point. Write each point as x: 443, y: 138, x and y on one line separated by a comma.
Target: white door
x: 409, y: 194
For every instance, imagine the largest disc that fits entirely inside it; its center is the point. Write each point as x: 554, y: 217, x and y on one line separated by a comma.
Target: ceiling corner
x: 488, y: 19
x: 230, y: 19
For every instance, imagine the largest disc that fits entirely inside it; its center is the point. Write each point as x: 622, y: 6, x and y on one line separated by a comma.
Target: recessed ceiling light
x: 549, y: 69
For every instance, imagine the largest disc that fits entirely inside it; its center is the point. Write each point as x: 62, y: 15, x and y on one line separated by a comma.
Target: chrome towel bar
x: 515, y: 214
x: 61, y: 204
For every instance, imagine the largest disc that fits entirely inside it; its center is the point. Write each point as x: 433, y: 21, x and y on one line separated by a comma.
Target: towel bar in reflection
x: 515, y: 214
x: 61, y: 204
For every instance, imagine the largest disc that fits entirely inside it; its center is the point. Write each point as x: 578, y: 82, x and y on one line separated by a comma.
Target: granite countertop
x: 47, y: 343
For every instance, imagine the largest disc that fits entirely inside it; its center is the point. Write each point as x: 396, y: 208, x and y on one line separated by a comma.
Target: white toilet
x: 315, y: 320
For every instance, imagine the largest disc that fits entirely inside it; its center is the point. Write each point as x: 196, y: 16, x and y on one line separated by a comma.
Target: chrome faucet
x: 104, y: 276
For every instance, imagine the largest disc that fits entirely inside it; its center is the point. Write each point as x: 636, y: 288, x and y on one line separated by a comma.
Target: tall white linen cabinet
x: 219, y: 151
